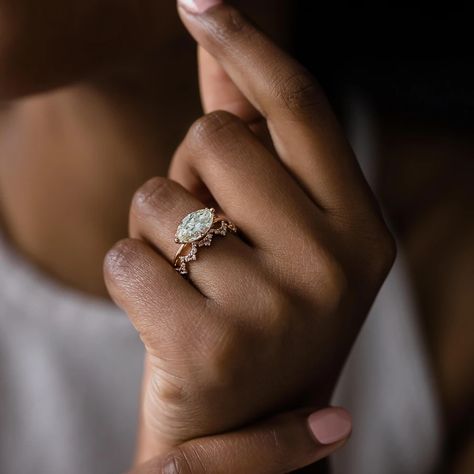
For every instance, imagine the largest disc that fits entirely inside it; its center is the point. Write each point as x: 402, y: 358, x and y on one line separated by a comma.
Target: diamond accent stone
x: 195, y: 226
x: 183, y: 259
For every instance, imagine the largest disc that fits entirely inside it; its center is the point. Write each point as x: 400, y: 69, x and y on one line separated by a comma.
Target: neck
x: 70, y: 161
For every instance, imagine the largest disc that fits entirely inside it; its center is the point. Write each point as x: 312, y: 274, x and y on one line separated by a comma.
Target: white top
x: 70, y: 374
x: 387, y: 382
x: 387, y: 386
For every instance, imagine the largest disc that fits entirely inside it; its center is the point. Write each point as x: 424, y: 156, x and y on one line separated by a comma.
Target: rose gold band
x: 188, y: 251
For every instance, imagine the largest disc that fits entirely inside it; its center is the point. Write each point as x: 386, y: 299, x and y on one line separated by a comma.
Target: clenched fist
x: 267, y: 317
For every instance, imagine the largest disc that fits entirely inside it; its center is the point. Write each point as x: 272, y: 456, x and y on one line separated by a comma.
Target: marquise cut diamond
x: 195, y: 226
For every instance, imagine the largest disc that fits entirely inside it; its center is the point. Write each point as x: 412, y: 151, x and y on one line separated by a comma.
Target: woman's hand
x: 267, y: 319
x: 282, y: 444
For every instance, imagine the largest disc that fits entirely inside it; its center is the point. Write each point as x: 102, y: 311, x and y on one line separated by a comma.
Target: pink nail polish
x: 330, y: 425
x: 198, y: 6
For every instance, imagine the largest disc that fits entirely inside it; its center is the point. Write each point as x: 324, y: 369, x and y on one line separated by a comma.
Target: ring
x: 197, y: 230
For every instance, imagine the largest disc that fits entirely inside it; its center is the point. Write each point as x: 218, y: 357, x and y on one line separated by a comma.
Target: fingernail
x: 198, y: 6
x: 330, y: 425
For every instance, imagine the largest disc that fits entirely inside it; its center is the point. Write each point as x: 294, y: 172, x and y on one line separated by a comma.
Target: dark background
x: 412, y: 56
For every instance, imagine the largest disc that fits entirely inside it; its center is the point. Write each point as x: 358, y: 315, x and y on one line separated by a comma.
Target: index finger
x: 304, y: 129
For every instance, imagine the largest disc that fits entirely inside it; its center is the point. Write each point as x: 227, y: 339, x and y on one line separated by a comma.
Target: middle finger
x: 251, y: 186
x: 303, y: 127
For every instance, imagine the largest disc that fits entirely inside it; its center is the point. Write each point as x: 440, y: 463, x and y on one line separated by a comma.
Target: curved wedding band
x: 197, y: 230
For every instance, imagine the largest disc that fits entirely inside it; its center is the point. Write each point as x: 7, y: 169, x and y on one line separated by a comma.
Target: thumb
x: 282, y: 444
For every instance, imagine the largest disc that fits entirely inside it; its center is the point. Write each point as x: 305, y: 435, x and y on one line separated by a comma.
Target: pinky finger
x: 282, y: 444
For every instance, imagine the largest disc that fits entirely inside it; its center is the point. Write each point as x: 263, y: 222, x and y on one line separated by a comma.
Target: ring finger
x: 157, y: 210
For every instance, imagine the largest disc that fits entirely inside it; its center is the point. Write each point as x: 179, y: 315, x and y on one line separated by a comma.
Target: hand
x: 267, y: 320
x: 282, y: 444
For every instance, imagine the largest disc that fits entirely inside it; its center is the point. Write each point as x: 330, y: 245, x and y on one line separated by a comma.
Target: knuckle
x: 155, y: 192
x: 376, y: 244
x: 207, y: 130
x: 335, y: 280
x: 298, y: 93
x: 275, y: 309
x: 384, y: 254
x: 379, y: 250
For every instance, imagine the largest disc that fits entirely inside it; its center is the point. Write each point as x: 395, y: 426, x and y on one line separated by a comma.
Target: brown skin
x: 119, y: 124
x: 104, y: 127
x: 279, y: 445
x: 134, y: 119
x: 84, y: 135
x: 314, y: 256
x: 91, y: 145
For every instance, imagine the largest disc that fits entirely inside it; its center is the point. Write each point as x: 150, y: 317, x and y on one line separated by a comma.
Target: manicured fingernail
x: 330, y: 425
x: 198, y: 6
